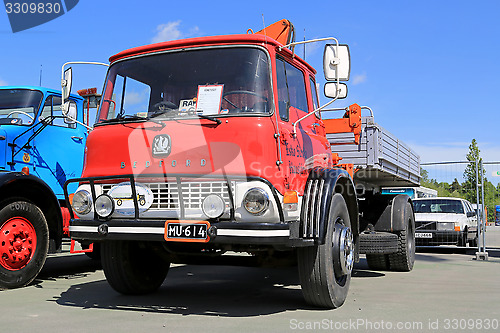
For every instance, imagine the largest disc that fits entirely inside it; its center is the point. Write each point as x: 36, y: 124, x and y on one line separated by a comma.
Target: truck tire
x: 377, y: 262
x: 132, y: 268
x: 404, y: 259
x: 24, y: 243
x: 325, y: 270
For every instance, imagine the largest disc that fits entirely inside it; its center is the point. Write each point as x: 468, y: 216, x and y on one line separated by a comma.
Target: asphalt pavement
x: 446, y: 291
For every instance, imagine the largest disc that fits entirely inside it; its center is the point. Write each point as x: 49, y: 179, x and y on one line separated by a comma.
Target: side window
x: 291, y: 88
x: 282, y: 89
x: 314, y: 93
x: 52, y: 107
x: 296, y: 87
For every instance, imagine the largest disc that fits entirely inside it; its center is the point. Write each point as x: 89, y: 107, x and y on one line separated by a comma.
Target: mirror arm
x: 309, y: 41
x: 309, y: 114
x: 336, y: 78
x: 63, y: 81
x: 78, y: 122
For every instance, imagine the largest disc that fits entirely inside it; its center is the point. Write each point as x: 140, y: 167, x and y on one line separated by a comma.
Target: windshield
x: 19, y: 106
x: 438, y: 206
x: 202, y: 82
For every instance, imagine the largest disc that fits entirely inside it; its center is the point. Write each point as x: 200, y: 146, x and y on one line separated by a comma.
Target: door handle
x: 79, y: 138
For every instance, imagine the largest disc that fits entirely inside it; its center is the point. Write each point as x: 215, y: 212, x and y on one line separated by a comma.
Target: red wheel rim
x: 17, y: 243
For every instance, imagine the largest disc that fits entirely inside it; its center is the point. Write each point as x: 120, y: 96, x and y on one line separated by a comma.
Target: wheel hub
x: 344, y: 250
x: 17, y: 243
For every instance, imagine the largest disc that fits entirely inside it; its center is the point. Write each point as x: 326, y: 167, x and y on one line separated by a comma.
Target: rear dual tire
x: 404, y: 259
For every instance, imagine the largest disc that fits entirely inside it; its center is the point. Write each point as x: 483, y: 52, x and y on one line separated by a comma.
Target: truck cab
x: 32, y: 127
x: 40, y: 149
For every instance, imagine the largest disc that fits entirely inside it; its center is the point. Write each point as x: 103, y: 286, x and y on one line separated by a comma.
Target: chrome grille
x: 166, y: 195
x: 193, y: 193
x: 310, y: 215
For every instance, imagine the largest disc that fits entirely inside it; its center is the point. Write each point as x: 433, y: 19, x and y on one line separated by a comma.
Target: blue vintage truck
x: 40, y: 147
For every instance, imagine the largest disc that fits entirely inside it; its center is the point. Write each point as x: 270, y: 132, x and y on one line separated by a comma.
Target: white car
x: 445, y: 221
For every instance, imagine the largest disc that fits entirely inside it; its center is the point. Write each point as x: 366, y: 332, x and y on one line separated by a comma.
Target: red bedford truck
x: 217, y: 144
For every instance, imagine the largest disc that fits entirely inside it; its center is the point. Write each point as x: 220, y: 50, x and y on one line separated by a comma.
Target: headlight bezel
x: 256, y: 191
x: 86, y: 196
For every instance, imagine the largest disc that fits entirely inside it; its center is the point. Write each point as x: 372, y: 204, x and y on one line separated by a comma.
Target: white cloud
x: 170, y: 31
x: 3, y: 83
x: 360, y: 78
x: 133, y: 98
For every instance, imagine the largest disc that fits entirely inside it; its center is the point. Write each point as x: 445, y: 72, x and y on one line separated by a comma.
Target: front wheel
x: 132, y: 268
x: 24, y: 243
x: 325, y: 270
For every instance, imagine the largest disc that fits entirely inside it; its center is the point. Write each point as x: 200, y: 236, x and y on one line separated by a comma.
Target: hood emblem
x: 162, y: 145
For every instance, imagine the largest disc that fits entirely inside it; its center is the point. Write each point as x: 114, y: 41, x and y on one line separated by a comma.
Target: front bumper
x: 276, y: 234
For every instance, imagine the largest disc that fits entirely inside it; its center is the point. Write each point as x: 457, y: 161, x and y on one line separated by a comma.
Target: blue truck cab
x: 40, y: 148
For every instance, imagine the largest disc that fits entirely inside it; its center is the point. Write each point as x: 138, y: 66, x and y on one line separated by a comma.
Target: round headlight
x: 82, y: 202
x: 256, y: 201
x: 104, y: 205
x: 213, y: 206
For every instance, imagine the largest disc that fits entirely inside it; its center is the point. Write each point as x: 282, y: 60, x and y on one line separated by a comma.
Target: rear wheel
x: 325, y: 270
x: 24, y: 242
x: 404, y: 258
x: 132, y: 268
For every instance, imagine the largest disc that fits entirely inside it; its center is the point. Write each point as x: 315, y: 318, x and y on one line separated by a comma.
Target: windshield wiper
x: 215, y: 120
x: 128, y: 117
x: 169, y: 112
x: 120, y: 118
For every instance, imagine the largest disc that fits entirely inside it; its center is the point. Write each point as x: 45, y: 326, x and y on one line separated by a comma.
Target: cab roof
x: 251, y: 39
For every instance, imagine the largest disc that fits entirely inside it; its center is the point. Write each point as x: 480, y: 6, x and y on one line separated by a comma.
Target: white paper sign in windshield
x: 209, y: 99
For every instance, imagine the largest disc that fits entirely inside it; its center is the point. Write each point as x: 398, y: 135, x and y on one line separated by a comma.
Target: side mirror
x: 71, y: 112
x: 66, y: 83
x: 336, y: 61
x: 332, y: 91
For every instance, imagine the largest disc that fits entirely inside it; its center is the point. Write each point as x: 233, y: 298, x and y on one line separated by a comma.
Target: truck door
x: 299, y: 152
x: 59, y: 148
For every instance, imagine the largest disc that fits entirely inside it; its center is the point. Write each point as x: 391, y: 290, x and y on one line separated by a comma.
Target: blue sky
x: 428, y: 69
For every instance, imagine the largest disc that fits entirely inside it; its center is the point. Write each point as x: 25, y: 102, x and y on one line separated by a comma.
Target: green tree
x: 469, y: 185
x: 455, y: 186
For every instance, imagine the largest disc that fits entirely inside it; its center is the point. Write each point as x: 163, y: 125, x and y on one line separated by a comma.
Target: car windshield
x: 438, y: 206
x: 201, y: 82
x: 19, y: 106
